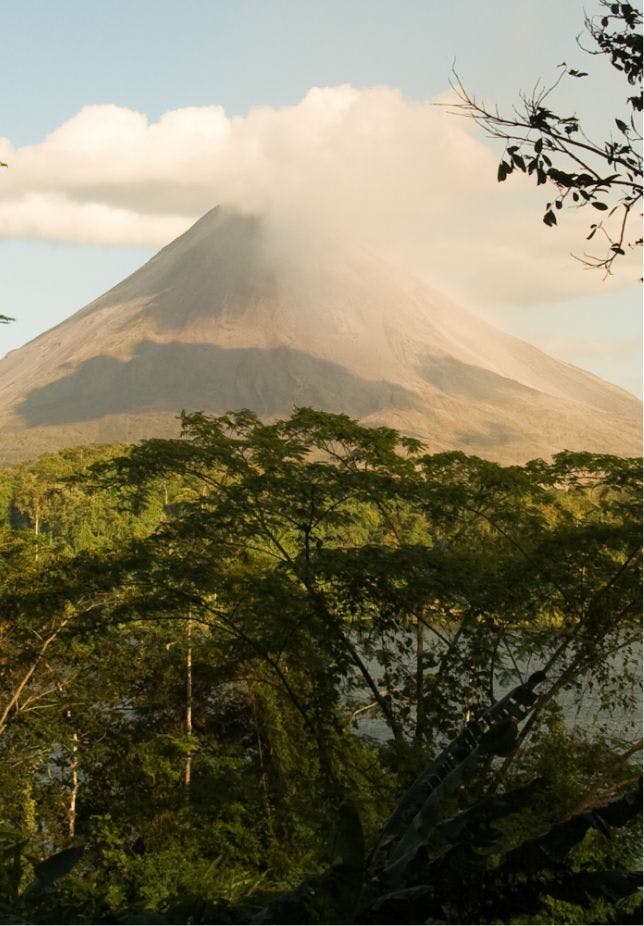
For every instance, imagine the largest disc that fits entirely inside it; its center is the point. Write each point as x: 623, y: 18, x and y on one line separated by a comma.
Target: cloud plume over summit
x: 344, y: 163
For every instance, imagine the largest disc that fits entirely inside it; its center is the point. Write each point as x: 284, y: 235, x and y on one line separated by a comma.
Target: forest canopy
x: 227, y: 658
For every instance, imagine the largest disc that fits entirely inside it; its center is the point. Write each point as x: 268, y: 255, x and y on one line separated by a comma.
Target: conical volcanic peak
x: 218, y: 266
x: 230, y: 316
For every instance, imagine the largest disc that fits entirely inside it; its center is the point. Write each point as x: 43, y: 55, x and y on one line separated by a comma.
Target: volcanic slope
x: 220, y: 319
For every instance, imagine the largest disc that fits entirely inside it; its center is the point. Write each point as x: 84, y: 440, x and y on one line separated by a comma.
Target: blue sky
x: 154, y: 57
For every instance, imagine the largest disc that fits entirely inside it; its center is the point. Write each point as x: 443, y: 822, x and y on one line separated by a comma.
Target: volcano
x: 223, y: 319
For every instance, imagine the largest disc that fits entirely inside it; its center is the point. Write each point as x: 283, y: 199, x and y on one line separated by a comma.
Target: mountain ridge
x: 227, y: 316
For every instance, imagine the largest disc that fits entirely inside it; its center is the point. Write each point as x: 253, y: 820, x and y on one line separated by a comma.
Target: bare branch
x: 557, y: 151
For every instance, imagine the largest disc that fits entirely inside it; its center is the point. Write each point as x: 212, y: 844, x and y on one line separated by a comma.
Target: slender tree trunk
x: 420, y: 680
x: 187, y: 775
x: 73, y: 782
x: 37, y: 528
x: 263, y: 780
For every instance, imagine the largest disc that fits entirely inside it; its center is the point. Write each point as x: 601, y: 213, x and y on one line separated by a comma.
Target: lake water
x: 586, y: 708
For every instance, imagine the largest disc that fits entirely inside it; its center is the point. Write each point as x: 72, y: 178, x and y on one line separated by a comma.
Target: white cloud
x: 55, y: 217
x: 363, y: 164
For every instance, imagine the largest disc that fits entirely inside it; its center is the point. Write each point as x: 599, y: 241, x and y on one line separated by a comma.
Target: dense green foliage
x: 225, y: 658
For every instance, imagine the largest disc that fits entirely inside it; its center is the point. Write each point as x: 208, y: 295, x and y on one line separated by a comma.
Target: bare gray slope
x: 222, y: 319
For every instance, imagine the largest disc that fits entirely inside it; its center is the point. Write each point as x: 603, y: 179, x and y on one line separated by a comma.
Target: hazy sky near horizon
x: 122, y: 122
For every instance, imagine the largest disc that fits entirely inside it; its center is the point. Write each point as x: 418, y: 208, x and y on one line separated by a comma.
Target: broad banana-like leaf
x: 417, y: 833
x: 548, y: 850
x: 512, y: 708
x: 475, y: 825
x: 493, y: 732
x: 577, y: 887
x: 51, y: 869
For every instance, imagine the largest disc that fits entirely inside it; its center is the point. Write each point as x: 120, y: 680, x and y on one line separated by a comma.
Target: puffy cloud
x: 364, y: 165
x: 57, y: 218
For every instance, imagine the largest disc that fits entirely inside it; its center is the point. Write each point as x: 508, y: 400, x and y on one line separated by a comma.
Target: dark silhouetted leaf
x: 53, y: 868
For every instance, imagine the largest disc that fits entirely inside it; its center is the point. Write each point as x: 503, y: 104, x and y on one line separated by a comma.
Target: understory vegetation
x: 303, y: 672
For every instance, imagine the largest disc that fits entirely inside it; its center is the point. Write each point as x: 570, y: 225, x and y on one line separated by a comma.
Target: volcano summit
x: 221, y: 319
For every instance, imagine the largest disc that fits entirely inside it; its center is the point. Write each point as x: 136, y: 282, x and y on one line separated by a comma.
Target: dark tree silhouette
x: 555, y: 149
